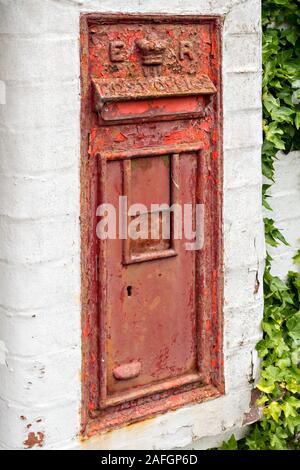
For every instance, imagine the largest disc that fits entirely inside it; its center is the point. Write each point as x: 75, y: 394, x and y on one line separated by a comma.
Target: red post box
x: 151, y: 132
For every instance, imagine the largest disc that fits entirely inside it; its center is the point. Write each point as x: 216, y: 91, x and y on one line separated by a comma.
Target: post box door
x: 151, y: 323
x: 151, y: 114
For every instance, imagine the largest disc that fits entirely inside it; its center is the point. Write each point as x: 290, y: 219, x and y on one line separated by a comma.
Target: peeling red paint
x: 86, y: 331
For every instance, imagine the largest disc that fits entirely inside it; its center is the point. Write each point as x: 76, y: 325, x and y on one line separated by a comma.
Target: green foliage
x: 231, y: 444
x: 281, y: 79
x: 279, y: 351
x: 296, y: 258
x: 279, y: 348
x: 280, y: 373
x: 272, y: 234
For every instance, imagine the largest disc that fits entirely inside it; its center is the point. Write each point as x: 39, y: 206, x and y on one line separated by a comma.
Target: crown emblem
x: 152, y: 50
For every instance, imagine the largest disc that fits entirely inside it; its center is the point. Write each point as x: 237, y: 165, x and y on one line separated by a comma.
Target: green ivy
x: 279, y: 348
x: 281, y: 80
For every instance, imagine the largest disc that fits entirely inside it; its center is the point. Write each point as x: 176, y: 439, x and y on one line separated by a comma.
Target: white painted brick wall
x: 40, y: 357
x: 285, y: 201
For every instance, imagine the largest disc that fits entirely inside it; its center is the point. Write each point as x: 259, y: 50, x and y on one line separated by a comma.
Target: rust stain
x: 255, y: 411
x: 34, y: 440
x: 257, y: 283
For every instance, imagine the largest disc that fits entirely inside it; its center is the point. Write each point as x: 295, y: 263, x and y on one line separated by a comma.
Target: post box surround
x: 151, y: 90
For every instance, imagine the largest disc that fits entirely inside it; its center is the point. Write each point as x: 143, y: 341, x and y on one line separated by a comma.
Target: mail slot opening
x: 153, y: 109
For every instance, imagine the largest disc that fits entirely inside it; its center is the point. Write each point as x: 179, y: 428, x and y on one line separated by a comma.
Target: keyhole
x: 129, y: 291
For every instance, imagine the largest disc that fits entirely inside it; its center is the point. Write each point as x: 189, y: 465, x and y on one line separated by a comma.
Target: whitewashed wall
x: 40, y: 356
x: 285, y: 201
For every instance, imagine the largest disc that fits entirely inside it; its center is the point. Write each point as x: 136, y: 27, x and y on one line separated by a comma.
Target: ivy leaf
x: 295, y: 357
x: 255, y: 440
x: 282, y: 114
x: 273, y: 235
x: 297, y: 120
x: 231, y: 444
x: 293, y: 401
x: 276, y: 443
x: 284, y: 363
x: 270, y: 102
x: 262, y: 348
x: 293, y: 386
x: 267, y: 170
x: 286, y: 96
x: 262, y: 400
x: 293, y: 325
x: 278, y: 439
x: 272, y: 374
x: 290, y: 407
x: 274, y: 410
x: 291, y: 423
x: 292, y: 35
x: 265, y: 196
x: 272, y: 133
x: 281, y: 347
x: 265, y: 387
x: 289, y: 410
x: 296, y: 258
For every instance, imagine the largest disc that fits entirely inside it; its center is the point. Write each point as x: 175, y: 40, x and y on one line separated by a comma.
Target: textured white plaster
x: 35, y: 153
x: 39, y: 227
x: 3, y: 352
x: 2, y: 92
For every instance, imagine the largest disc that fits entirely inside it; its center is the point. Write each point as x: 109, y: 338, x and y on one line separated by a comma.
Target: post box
x: 151, y: 136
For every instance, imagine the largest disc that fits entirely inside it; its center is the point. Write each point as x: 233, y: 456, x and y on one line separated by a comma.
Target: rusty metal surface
x: 155, y: 87
x: 155, y: 109
x: 255, y: 411
x: 151, y: 130
x: 156, y: 324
